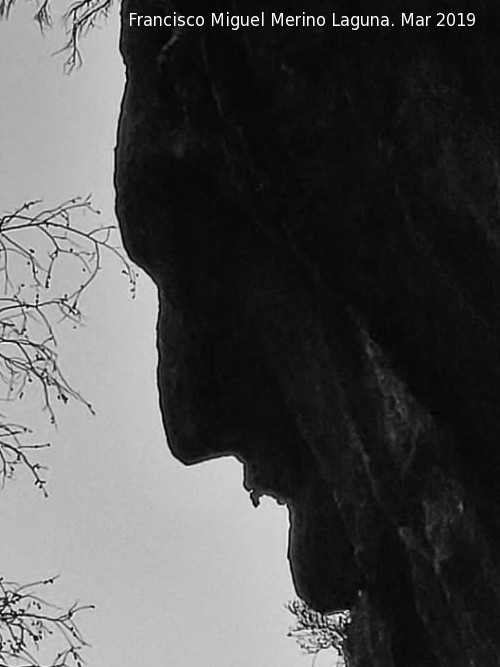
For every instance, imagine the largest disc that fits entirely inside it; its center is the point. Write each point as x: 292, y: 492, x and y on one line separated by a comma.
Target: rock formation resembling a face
x: 319, y: 211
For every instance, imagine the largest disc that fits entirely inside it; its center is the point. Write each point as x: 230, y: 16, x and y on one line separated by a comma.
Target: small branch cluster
x: 314, y: 631
x: 42, y: 253
x: 81, y: 17
x: 14, y: 453
x: 27, y: 621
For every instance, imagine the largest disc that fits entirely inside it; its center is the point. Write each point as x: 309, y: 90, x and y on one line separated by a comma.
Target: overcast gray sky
x: 183, y: 570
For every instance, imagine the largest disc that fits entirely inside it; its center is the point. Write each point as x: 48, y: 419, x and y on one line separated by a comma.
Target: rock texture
x: 320, y: 211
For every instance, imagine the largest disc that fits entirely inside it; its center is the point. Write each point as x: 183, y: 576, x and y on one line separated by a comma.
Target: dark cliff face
x: 320, y: 212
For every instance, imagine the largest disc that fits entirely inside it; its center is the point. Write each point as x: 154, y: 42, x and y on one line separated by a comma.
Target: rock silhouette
x: 319, y: 208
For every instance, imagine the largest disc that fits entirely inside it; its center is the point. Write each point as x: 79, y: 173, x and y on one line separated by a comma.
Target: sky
x: 181, y: 567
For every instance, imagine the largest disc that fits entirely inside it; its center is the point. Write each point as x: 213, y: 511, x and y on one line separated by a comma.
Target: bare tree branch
x: 78, y: 20
x: 47, y: 262
x: 27, y: 621
x: 48, y: 259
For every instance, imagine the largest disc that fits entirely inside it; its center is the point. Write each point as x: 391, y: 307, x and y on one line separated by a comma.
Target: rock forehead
x: 319, y: 210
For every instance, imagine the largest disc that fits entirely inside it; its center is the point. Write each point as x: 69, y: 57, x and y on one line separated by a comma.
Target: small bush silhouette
x: 315, y: 632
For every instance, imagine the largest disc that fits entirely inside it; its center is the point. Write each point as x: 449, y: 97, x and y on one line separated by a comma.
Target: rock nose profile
x: 319, y: 208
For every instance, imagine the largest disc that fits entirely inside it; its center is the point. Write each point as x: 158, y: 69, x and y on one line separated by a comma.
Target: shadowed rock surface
x: 319, y: 209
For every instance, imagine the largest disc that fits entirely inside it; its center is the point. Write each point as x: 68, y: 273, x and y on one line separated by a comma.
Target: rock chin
x: 319, y: 211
